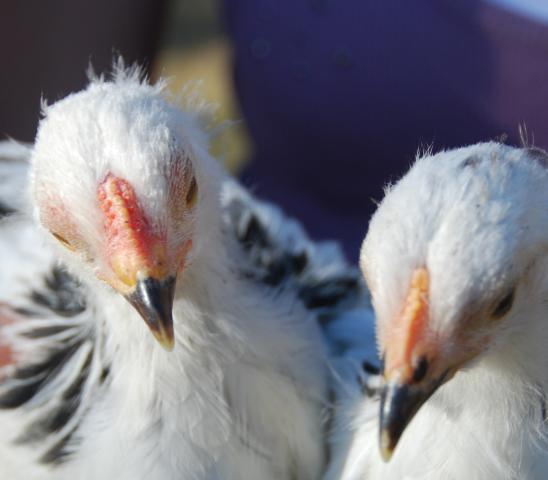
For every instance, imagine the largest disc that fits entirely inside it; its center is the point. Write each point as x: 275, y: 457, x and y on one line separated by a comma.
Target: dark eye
x: 504, y: 305
x: 192, y: 193
x: 63, y: 240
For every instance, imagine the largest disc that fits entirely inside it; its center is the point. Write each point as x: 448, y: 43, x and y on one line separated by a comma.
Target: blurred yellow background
x: 194, y: 48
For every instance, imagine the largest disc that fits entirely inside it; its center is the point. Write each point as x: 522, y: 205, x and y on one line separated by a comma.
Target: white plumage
x: 456, y: 259
x: 90, y: 394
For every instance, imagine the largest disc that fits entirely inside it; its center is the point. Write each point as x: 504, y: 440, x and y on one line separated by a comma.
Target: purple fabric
x: 339, y: 95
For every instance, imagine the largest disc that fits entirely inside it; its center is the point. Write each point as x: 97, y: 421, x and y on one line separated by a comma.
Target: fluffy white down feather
x: 477, y: 219
x: 242, y: 396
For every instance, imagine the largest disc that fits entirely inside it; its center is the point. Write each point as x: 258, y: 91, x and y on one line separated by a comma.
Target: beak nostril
x: 420, y: 369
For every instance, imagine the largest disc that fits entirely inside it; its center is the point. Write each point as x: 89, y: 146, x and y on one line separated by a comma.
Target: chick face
x: 114, y: 182
x: 445, y: 259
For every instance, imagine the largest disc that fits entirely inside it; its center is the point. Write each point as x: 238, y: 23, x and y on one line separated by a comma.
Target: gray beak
x: 153, y: 299
x: 399, y: 404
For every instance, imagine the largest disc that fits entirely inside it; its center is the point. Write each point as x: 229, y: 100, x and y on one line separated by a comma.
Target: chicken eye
x: 64, y: 241
x: 504, y: 305
x: 192, y: 193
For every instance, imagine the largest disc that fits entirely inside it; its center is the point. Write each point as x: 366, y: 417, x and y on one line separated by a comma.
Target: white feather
x: 244, y: 393
x: 477, y: 218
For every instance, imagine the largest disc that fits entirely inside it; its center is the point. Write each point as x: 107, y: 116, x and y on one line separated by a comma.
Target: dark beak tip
x: 153, y: 300
x: 167, y: 342
x: 399, y: 403
x: 386, y: 450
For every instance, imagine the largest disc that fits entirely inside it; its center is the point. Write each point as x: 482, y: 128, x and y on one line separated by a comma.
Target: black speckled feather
x: 60, y: 298
x: 278, y: 263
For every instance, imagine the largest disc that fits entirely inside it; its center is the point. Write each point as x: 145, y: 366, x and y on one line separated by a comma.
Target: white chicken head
x: 118, y: 178
x: 450, y: 258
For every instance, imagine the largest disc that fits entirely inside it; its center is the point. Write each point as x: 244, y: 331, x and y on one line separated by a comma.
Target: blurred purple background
x: 338, y: 96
